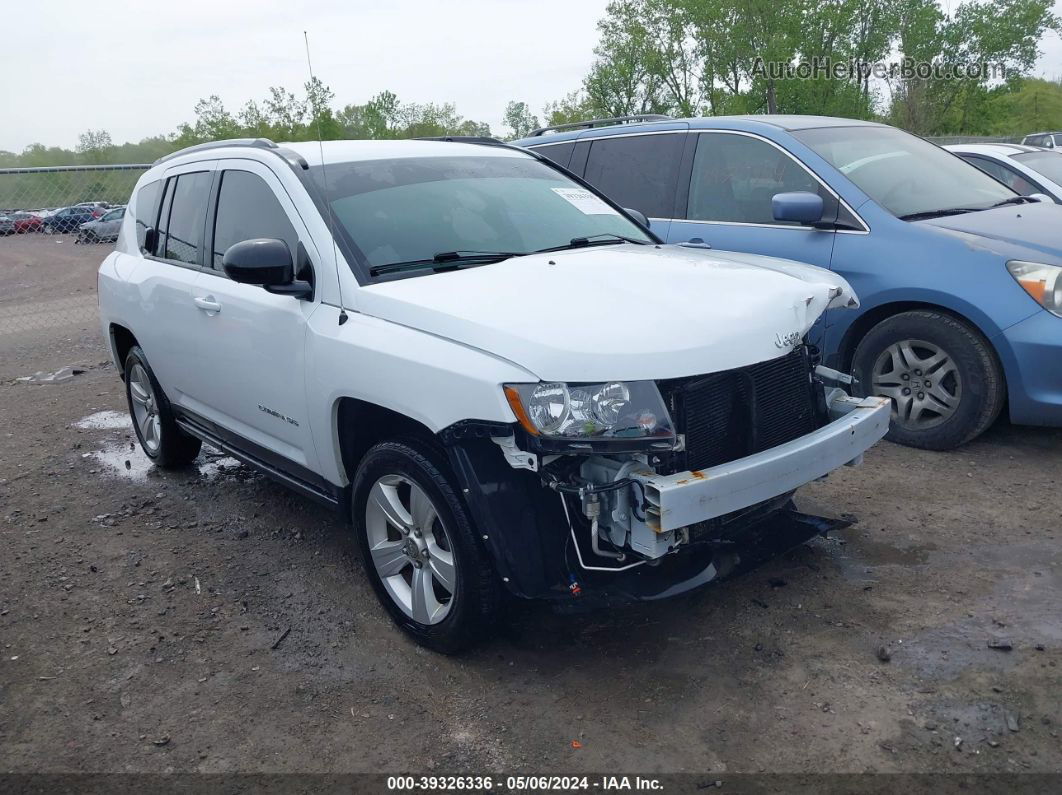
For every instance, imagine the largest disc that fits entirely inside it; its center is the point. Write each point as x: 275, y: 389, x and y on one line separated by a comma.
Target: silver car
x: 7, y: 224
x: 104, y: 229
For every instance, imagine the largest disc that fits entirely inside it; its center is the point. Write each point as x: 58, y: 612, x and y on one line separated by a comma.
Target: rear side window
x: 637, y: 171
x: 560, y: 154
x: 735, y: 177
x: 184, y: 231
x: 247, y: 209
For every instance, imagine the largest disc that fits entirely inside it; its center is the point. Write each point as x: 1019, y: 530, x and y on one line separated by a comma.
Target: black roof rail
x: 580, y: 125
x: 461, y: 139
x: 259, y: 143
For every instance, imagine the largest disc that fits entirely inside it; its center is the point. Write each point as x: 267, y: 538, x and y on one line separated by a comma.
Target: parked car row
x: 62, y: 220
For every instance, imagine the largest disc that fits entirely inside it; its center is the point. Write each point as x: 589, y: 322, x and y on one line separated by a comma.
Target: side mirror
x: 638, y: 216
x: 266, y: 262
x: 801, y: 207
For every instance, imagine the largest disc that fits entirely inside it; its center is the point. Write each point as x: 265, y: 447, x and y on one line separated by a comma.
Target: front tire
x: 941, y: 375
x: 419, y: 548
x: 161, y: 440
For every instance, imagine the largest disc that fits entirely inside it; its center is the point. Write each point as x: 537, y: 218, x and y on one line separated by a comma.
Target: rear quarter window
x: 561, y: 153
x: 147, y: 210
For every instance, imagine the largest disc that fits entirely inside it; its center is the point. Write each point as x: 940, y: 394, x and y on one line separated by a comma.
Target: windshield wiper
x: 600, y: 239
x: 1015, y: 200
x: 446, y: 260
x: 940, y: 213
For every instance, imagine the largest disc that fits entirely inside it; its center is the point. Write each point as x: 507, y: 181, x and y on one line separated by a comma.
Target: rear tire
x: 420, y: 549
x: 942, y: 376
x: 156, y: 428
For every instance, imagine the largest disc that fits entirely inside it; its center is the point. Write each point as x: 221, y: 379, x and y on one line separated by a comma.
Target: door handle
x: 207, y: 304
x: 695, y: 242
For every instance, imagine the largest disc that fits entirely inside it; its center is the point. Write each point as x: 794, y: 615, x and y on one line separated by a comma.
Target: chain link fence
x: 56, y: 224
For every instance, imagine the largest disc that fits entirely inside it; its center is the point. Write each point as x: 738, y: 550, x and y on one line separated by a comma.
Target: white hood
x: 618, y: 312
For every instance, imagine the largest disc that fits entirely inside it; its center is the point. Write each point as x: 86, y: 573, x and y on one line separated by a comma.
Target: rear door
x: 250, y: 380
x: 176, y: 208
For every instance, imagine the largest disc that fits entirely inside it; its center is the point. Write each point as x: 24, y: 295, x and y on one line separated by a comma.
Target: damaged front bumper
x: 615, y: 526
x: 686, y: 498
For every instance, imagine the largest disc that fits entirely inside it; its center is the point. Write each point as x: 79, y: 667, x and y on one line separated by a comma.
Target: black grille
x: 732, y: 414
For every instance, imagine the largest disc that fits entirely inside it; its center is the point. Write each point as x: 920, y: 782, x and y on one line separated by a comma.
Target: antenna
x: 327, y: 203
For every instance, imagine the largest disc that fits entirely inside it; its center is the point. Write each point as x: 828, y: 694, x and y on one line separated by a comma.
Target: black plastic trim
x: 292, y: 475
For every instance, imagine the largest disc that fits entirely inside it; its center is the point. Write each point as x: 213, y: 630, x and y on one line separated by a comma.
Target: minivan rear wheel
x: 941, y: 375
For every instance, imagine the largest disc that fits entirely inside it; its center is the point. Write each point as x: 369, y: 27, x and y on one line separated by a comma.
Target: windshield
x: 412, y: 208
x: 1047, y: 163
x: 904, y: 174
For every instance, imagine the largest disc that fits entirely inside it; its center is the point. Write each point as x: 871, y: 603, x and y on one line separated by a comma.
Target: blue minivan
x: 959, y: 277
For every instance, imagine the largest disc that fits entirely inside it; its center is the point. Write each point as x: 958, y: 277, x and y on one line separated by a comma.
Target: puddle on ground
x: 104, y: 421
x: 126, y: 460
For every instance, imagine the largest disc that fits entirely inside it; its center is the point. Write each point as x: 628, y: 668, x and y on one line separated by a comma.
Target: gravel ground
x: 208, y: 620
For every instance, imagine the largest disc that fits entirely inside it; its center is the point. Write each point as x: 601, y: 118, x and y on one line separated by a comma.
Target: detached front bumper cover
x: 686, y: 498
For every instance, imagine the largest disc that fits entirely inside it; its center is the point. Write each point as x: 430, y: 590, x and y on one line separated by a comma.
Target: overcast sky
x: 137, y: 68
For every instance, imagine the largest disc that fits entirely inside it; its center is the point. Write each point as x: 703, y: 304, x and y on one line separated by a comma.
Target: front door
x: 251, y: 344
x: 733, y: 178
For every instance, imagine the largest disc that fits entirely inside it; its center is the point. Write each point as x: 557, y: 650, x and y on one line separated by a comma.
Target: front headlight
x: 1042, y: 282
x: 612, y: 411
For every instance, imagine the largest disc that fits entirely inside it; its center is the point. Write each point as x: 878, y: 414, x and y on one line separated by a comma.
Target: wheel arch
x: 862, y: 325
x: 359, y: 424
x: 122, y: 341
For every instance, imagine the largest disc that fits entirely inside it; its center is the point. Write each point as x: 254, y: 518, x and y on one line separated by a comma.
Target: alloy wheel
x: 921, y: 379
x: 145, y: 408
x: 410, y: 549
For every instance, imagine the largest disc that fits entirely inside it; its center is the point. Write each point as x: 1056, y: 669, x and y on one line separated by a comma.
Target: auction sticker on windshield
x: 584, y: 201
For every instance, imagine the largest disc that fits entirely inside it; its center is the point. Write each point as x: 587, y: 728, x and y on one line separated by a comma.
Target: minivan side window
x: 736, y: 176
x: 247, y: 209
x: 184, y: 229
x: 560, y: 153
x: 637, y: 171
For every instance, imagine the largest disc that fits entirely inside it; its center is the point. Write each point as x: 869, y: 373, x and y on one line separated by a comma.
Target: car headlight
x: 1042, y: 282
x: 615, y: 410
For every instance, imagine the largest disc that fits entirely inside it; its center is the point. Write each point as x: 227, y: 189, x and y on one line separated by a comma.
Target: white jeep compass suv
x: 499, y: 376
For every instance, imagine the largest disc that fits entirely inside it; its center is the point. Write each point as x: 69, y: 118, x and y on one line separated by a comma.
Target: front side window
x: 114, y: 215
x: 906, y: 175
x: 736, y: 176
x: 410, y: 209
x: 1007, y: 176
x: 187, y: 209
x: 637, y: 171
x: 248, y: 209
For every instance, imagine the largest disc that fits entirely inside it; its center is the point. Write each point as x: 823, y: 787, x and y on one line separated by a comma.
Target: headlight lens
x: 1042, y: 282
x: 608, y: 411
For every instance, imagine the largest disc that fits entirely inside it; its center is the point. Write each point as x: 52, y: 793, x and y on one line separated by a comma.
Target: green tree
x: 94, y: 146
x: 519, y: 119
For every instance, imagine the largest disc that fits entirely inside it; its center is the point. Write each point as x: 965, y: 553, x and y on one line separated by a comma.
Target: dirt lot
x: 143, y: 614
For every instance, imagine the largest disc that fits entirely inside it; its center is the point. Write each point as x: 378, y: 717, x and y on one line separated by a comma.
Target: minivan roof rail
x: 461, y: 139
x: 579, y: 125
x: 257, y: 143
